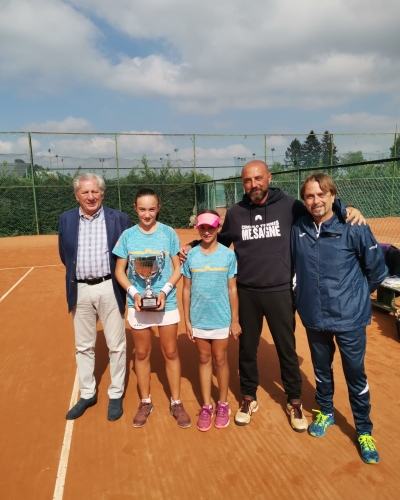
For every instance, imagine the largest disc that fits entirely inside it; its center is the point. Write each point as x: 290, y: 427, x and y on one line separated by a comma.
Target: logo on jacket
x: 258, y: 217
x: 260, y: 231
x: 301, y: 234
x: 372, y: 248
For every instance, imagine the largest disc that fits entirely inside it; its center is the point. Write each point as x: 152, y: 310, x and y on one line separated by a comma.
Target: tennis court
x: 43, y: 456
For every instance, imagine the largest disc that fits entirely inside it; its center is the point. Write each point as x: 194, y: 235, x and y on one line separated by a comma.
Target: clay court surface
x: 114, y: 461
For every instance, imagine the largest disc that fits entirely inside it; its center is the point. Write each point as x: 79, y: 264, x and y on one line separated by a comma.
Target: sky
x: 211, y: 67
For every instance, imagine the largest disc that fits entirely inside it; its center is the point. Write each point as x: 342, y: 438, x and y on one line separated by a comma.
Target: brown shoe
x: 180, y: 415
x: 142, y: 414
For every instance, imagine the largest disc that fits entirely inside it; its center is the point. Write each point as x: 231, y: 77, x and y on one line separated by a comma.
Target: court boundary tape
x: 64, y: 455
x: 16, y: 284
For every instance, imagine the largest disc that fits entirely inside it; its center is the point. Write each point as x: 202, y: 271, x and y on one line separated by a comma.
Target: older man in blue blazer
x: 87, y: 234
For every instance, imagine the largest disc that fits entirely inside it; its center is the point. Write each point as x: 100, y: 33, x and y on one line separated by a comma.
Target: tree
x: 395, y: 150
x: 277, y: 166
x: 352, y: 157
x: 293, y: 155
x: 328, y: 150
x: 311, y: 151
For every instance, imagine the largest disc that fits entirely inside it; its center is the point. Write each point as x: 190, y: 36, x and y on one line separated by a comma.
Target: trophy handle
x: 131, y: 264
x: 161, y: 258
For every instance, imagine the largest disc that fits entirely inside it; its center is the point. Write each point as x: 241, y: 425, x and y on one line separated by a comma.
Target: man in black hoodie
x: 259, y: 227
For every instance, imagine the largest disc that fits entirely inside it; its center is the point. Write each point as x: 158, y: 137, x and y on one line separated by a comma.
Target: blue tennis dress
x: 209, y: 300
x: 134, y: 243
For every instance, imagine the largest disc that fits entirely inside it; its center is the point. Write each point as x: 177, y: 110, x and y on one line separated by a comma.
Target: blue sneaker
x: 320, y: 424
x: 368, y: 450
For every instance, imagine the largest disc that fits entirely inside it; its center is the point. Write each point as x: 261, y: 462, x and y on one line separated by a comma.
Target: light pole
x: 176, y: 153
x: 57, y: 161
x: 62, y: 163
x: 50, y: 157
x: 272, y: 151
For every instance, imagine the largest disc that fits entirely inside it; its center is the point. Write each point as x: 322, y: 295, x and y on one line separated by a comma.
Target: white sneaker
x: 298, y: 420
x: 243, y: 415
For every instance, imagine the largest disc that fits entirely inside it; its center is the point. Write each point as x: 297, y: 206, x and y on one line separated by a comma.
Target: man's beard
x: 258, y: 194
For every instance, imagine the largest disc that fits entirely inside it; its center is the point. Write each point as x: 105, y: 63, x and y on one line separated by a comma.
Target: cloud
x: 364, y: 121
x: 6, y: 147
x: 70, y: 124
x: 218, y: 55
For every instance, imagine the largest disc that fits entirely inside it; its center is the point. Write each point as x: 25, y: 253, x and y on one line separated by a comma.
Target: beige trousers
x: 99, y: 302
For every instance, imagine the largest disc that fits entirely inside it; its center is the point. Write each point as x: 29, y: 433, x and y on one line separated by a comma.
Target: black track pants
x: 277, y: 307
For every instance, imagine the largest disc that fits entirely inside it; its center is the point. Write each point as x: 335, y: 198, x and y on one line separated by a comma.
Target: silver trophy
x: 147, y: 268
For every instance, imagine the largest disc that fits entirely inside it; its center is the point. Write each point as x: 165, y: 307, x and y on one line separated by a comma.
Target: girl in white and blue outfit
x: 210, y: 304
x: 149, y: 238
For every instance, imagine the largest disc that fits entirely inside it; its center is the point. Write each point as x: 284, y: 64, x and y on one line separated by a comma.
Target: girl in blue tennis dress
x: 210, y: 304
x: 146, y: 239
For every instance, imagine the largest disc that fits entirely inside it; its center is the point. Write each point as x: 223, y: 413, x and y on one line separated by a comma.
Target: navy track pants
x: 352, y: 347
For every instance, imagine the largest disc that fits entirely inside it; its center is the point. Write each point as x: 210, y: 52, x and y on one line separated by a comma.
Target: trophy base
x: 150, y: 303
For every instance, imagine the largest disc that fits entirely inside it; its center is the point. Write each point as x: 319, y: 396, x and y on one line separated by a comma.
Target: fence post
x: 194, y: 171
x: 265, y: 148
x: 33, y: 183
x: 298, y: 183
x: 215, y: 195
x: 393, y: 174
x: 117, y: 165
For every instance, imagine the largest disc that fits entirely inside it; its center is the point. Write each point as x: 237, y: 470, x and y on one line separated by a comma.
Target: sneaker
x: 180, y: 415
x: 368, y: 450
x: 205, y: 416
x: 243, y: 415
x: 142, y: 414
x: 320, y: 424
x: 222, y: 415
x: 298, y: 420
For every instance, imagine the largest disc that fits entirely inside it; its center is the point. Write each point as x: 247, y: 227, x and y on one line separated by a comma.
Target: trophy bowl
x: 147, y: 268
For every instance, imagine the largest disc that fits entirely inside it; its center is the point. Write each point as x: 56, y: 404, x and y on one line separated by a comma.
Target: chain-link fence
x: 36, y: 171
x: 372, y: 187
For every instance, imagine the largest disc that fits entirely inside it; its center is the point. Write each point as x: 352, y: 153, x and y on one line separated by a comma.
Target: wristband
x: 167, y: 288
x: 132, y: 291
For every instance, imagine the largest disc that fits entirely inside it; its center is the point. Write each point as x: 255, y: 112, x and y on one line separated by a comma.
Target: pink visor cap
x: 209, y: 219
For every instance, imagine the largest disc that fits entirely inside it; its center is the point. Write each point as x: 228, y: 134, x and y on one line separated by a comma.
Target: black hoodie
x: 261, y: 238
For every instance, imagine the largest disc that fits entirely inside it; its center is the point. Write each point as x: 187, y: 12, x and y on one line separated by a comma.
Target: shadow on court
x: 268, y: 366
x: 385, y: 324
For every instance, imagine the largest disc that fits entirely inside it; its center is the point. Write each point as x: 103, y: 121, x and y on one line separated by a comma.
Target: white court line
x: 17, y: 283
x: 62, y: 467
x: 27, y: 267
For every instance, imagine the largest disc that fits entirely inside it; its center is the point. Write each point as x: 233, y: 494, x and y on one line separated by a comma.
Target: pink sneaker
x: 222, y: 415
x: 205, y: 416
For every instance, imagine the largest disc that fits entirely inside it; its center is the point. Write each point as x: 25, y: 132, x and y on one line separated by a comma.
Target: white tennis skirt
x: 216, y: 334
x: 146, y: 319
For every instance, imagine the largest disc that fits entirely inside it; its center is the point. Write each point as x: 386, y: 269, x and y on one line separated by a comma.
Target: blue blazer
x: 116, y: 223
